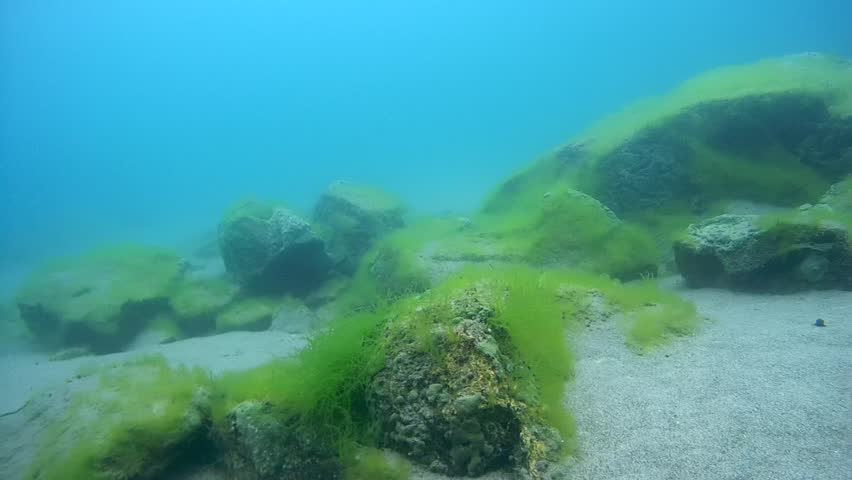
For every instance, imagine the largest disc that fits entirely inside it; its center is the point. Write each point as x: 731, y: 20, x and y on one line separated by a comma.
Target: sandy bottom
x: 758, y: 393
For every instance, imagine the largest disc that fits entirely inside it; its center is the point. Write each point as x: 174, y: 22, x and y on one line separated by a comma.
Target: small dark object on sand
x: 819, y: 322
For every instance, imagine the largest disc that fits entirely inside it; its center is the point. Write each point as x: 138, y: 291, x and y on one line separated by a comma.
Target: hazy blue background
x: 144, y: 119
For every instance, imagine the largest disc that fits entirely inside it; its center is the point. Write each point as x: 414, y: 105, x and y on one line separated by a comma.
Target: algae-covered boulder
x: 777, y: 131
x: 196, y: 302
x: 271, y: 249
x: 561, y: 228
x: 260, y: 445
x: 140, y: 421
x: 447, y: 396
x: 354, y: 217
x: 253, y: 314
x: 100, y: 300
x: 798, y: 250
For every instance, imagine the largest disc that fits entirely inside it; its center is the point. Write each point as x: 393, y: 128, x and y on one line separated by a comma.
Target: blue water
x: 143, y: 119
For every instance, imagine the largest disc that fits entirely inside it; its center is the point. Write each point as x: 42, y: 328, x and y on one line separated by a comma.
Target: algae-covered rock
x: 100, y: 300
x: 271, y: 249
x: 354, y: 217
x: 777, y: 131
x: 446, y: 397
x: 197, y: 302
x: 799, y: 250
x: 141, y: 420
x: 259, y: 444
x: 563, y: 228
x: 253, y: 314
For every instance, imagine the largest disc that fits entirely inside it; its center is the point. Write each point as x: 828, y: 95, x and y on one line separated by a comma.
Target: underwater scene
x: 425, y: 240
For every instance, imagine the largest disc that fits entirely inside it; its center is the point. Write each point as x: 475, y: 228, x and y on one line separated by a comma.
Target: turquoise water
x: 143, y: 120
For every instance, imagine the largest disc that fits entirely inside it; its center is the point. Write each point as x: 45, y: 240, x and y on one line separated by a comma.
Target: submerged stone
x: 777, y: 131
x: 270, y: 249
x: 454, y: 409
x: 788, y: 252
x: 100, y: 300
x: 260, y: 445
x: 354, y: 217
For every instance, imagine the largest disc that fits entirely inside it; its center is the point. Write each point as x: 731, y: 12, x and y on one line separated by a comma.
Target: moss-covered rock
x: 271, y: 249
x: 778, y: 131
x: 258, y: 445
x: 197, y: 302
x: 251, y: 313
x: 100, y: 300
x: 563, y: 228
x: 142, y: 419
x: 353, y: 218
x: 799, y: 250
x: 447, y: 400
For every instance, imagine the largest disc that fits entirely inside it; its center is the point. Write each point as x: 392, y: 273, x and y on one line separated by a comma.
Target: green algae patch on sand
x: 141, y: 419
x: 99, y: 300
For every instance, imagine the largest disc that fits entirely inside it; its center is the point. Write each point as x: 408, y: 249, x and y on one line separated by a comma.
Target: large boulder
x: 271, y: 249
x: 354, y: 217
x: 100, y: 300
x: 805, y: 249
x: 778, y: 131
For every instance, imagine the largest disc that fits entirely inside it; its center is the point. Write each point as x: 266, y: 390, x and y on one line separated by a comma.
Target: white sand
x: 759, y: 393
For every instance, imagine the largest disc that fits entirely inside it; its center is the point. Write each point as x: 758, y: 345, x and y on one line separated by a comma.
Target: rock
x: 648, y: 171
x: 453, y: 409
x: 99, y: 301
x: 775, y: 132
x: 197, y: 302
x: 271, y: 249
x: 252, y: 314
x: 354, y: 217
x: 261, y: 445
x: 750, y: 252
